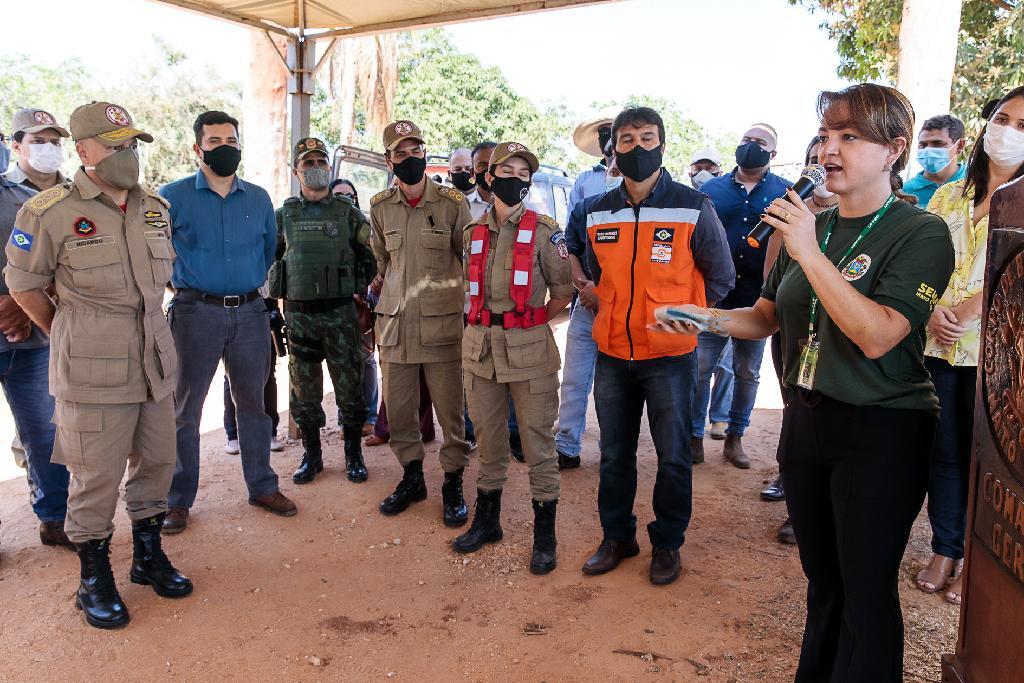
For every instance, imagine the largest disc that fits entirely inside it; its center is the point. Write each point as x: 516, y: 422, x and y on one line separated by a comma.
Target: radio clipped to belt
x: 520, y: 286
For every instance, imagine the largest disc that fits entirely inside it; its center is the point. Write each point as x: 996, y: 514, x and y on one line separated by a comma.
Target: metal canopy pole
x: 301, y: 61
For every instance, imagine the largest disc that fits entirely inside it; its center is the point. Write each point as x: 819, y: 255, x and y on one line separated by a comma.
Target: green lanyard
x: 813, y: 322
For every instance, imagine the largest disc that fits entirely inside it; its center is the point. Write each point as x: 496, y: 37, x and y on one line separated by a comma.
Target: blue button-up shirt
x: 740, y: 211
x: 589, y: 183
x: 224, y: 245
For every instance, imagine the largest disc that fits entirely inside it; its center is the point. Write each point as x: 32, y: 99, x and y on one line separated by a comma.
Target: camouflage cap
x: 34, y: 121
x: 109, y: 123
x: 506, y: 150
x: 306, y: 146
x: 395, y: 132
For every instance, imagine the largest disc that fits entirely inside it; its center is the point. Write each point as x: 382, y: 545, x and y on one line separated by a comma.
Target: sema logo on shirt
x: 22, y: 240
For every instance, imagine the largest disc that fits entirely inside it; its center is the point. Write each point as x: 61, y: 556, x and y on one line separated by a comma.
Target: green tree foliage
x: 173, y: 94
x: 988, y: 58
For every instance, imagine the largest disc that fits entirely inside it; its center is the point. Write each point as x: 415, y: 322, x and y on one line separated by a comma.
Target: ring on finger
x: 786, y: 219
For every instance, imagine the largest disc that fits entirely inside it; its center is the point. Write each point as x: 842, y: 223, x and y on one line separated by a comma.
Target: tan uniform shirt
x: 419, y: 252
x: 110, y: 342
x: 516, y: 355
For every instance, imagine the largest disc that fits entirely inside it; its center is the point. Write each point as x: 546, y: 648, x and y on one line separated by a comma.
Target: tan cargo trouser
x: 97, y: 442
x: 402, y: 396
x: 536, y: 404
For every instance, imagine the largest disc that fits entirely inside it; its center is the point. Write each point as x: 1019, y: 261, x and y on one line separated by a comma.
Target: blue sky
x: 726, y: 63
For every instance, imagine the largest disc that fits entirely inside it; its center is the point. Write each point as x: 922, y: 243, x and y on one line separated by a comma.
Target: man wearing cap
x: 323, y: 258
x: 225, y: 236
x: 740, y: 197
x: 104, y: 243
x: 515, y: 259
x: 37, y: 138
x: 417, y: 240
x: 591, y: 137
x: 705, y: 165
x: 24, y: 356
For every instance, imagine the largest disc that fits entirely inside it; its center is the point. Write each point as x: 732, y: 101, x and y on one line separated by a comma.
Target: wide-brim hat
x: 585, y: 136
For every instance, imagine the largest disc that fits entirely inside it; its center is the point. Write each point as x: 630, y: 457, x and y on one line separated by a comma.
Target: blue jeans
x: 577, y: 380
x: 269, y: 403
x: 24, y: 376
x: 621, y: 388
x: 204, y: 334
x: 746, y: 365
x: 951, y: 457
x: 721, y: 388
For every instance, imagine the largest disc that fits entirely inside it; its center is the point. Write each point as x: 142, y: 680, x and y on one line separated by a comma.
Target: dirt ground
x: 341, y: 593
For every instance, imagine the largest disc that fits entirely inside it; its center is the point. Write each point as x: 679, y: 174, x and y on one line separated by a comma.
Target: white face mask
x: 1005, y: 145
x: 701, y: 177
x: 821, y: 192
x: 46, y: 158
x: 611, y: 182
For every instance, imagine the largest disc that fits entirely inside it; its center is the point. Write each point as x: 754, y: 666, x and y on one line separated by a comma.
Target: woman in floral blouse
x: 954, y: 337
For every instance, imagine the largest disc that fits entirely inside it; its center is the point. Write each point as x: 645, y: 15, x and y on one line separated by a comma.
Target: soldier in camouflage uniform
x: 323, y: 259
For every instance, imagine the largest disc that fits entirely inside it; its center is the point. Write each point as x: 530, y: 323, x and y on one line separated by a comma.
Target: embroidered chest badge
x: 330, y: 229
x: 84, y: 227
x: 857, y: 268
x: 664, y: 234
x: 661, y: 253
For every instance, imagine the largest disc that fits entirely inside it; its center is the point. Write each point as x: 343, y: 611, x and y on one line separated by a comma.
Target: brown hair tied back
x: 880, y: 114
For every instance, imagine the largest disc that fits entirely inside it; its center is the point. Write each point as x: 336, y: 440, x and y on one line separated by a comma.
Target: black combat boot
x: 355, y: 468
x: 97, y: 593
x: 312, y: 459
x: 411, y: 489
x: 150, y: 566
x: 455, y: 512
x: 486, y: 527
x: 544, y: 544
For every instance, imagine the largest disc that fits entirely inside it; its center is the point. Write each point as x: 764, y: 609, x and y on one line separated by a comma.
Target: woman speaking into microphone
x: 851, y: 294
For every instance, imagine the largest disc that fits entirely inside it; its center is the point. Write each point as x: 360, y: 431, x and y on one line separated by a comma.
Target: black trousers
x: 855, y: 481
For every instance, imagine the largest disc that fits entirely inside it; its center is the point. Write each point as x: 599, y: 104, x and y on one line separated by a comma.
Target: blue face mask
x: 933, y: 159
x: 5, y: 157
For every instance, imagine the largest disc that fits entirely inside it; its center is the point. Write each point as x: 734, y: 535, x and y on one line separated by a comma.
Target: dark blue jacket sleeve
x: 712, y: 255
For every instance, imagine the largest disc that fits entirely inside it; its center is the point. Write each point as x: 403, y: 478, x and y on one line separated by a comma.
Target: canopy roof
x: 361, y: 17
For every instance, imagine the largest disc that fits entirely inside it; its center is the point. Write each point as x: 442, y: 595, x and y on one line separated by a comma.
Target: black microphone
x: 811, y: 177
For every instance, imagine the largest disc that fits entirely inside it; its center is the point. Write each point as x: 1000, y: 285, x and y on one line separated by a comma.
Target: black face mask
x: 223, y: 160
x: 639, y: 164
x: 481, y: 181
x: 750, y: 155
x: 604, y: 136
x: 463, y: 181
x: 511, y: 190
x: 411, y: 170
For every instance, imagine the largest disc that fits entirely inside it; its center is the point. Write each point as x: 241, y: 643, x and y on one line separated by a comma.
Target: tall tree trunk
x: 265, y: 133
x: 929, y: 35
x: 365, y: 71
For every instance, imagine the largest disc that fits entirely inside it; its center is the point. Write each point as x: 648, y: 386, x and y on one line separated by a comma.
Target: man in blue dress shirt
x: 740, y: 197
x: 225, y: 236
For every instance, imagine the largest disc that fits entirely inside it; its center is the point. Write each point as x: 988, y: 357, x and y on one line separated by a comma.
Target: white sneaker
x: 232, y: 447
x: 275, y: 444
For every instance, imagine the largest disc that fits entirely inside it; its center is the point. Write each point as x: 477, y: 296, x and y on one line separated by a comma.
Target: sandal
x: 956, y: 587
x: 936, y: 575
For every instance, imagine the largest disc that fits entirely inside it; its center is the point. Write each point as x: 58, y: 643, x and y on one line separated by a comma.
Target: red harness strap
x: 521, y: 285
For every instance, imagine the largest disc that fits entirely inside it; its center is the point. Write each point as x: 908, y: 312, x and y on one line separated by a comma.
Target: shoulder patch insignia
x: 46, y: 199
x: 22, y: 240
x: 157, y: 197
x: 451, y: 193
x: 548, y: 221
x: 557, y: 237
x: 381, y: 196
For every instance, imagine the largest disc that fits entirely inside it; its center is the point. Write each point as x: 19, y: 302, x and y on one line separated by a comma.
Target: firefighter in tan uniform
x: 103, y: 242
x: 514, y: 260
x: 416, y: 238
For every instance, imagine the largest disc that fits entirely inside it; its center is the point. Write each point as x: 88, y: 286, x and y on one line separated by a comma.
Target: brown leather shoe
x: 697, y: 450
x: 275, y: 502
x: 367, y: 429
x: 733, y: 452
x: 52, y: 533
x: 609, y: 554
x: 664, y: 566
x: 175, y: 521
x: 374, y: 440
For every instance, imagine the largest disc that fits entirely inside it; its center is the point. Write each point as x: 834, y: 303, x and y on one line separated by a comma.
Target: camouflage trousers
x: 313, y: 338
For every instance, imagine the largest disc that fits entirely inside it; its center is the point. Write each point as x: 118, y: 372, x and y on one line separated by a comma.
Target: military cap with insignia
x: 35, y: 121
x: 307, y: 146
x: 398, y: 131
x: 111, y: 124
x: 507, y: 150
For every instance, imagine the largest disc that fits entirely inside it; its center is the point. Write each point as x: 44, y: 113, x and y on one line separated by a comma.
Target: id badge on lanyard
x: 810, y: 347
